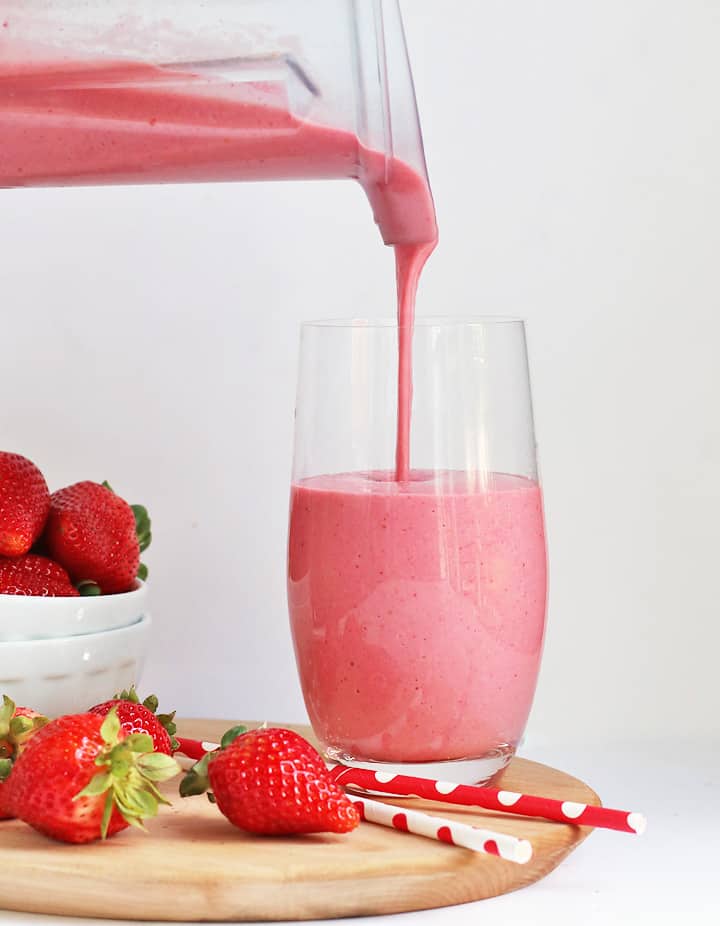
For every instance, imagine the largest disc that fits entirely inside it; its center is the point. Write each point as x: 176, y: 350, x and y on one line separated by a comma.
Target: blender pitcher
x: 125, y: 91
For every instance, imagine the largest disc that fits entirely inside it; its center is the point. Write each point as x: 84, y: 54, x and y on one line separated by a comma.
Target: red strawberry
x: 142, y: 718
x: 80, y: 779
x: 17, y: 726
x: 34, y: 575
x: 272, y: 782
x: 97, y: 537
x: 24, y: 504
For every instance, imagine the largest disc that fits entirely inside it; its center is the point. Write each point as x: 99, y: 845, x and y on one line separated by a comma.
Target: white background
x: 149, y: 337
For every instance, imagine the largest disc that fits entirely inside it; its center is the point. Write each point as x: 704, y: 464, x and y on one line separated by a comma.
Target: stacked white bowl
x: 63, y: 655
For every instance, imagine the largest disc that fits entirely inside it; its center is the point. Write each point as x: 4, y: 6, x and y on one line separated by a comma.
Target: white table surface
x: 669, y: 875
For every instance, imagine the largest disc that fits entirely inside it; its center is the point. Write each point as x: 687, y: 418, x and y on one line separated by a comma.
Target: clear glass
x: 417, y: 608
x: 123, y: 91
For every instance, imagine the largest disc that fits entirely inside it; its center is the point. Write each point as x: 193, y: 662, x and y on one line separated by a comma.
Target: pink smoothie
x: 418, y: 611
x: 94, y: 122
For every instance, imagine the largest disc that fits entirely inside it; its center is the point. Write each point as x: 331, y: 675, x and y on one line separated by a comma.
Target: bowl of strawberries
x: 74, y: 619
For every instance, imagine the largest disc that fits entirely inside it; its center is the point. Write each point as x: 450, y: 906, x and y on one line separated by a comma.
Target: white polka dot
x: 508, y: 798
x: 637, y: 822
x: 523, y: 852
x: 445, y: 787
x: 572, y: 810
x: 384, y: 777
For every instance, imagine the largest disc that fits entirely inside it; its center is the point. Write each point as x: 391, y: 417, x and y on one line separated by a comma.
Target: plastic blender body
x: 124, y: 91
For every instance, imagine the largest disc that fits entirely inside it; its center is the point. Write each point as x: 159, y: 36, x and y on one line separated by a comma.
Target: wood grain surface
x: 195, y: 866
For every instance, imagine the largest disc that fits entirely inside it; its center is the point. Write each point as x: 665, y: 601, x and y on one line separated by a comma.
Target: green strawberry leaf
x: 23, y: 728
x: 134, y: 821
x: 231, y: 735
x: 20, y: 727
x: 110, y: 729
x: 120, y: 766
x: 133, y: 802
x: 98, y: 784
x: 168, y: 721
x: 126, y: 695
x: 143, y: 526
x: 151, y: 703
x: 138, y: 742
x: 156, y: 766
x: 107, y: 813
x: 6, y: 715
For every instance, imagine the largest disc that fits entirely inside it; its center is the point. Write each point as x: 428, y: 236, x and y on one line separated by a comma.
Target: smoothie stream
x: 66, y: 123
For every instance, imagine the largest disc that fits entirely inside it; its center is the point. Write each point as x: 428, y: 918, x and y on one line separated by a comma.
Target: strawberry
x: 34, y: 575
x: 272, y: 782
x: 24, y: 504
x: 142, y: 718
x: 80, y: 778
x: 97, y: 537
x: 17, y: 726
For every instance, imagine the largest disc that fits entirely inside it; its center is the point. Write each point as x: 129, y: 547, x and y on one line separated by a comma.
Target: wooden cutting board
x: 195, y: 866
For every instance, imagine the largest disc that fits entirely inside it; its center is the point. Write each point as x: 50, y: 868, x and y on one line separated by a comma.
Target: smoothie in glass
x: 418, y: 611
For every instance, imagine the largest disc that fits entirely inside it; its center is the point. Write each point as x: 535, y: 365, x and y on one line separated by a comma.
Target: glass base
x: 470, y: 771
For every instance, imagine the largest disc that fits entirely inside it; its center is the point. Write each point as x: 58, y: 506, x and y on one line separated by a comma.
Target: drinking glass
x: 417, y: 608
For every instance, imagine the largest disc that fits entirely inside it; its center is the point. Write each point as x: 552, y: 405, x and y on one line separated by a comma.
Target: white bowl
x: 68, y: 675
x: 24, y: 617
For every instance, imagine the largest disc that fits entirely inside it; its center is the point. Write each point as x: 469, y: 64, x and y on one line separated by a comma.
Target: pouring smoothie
x: 416, y: 598
x: 78, y: 122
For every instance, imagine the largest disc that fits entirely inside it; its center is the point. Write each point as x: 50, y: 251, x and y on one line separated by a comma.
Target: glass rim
x: 421, y: 321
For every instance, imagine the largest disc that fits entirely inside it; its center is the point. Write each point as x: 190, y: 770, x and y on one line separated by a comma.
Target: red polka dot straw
x: 457, y: 834
x: 489, y: 798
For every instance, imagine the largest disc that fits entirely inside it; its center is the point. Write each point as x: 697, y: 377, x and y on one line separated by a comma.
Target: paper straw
x: 456, y: 834
x: 195, y: 749
x: 510, y: 802
x: 490, y: 799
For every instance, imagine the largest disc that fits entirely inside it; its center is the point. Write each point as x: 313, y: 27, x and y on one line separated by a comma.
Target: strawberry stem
x: 196, y: 780
x: 88, y: 588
